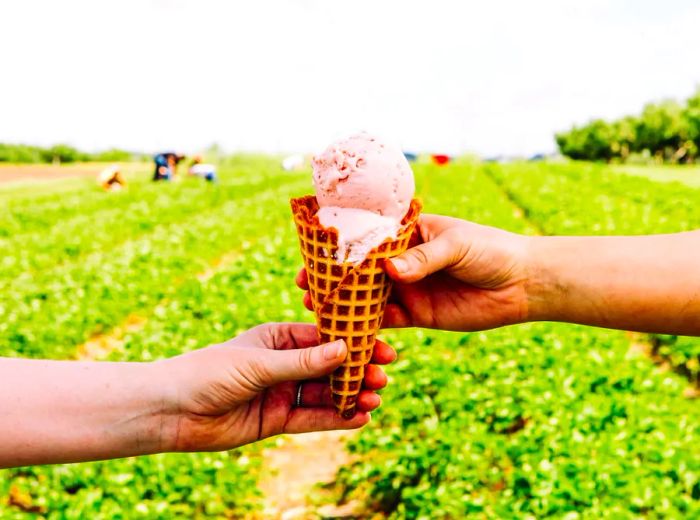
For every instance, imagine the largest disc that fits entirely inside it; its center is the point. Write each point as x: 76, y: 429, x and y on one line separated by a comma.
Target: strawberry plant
x: 524, y: 422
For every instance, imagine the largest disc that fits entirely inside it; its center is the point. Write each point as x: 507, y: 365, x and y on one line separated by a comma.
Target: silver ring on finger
x: 298, y: 403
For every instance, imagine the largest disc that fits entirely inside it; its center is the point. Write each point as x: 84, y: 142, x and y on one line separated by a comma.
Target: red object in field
x: 440, y: 159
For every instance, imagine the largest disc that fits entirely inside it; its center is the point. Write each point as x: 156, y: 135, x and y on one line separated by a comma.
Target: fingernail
x: 400, y: 265
x: 333, y: 350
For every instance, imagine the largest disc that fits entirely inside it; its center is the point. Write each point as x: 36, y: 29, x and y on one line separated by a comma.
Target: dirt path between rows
x: 100, y: 346
x: 641, y: 345
x: 293, y: 471
x: 45, y: 172
x: 293, y: 467
x: 20, y: 173
x: 296, y: 466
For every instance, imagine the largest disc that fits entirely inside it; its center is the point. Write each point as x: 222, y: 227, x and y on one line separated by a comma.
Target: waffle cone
x: 348, y: 299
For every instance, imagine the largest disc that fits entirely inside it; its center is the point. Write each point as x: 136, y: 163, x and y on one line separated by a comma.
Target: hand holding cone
x: 348, y: 299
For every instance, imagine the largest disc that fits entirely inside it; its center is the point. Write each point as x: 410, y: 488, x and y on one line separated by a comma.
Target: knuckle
x: 457, y: 245
x: 262, y: 331
x: 257, y: 372
x: 276, y: 334
x: 420, y: 255
x: 306, y: 363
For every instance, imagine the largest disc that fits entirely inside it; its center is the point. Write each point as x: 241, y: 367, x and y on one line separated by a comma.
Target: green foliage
x: 63, y: 153
x: 540, y: 420
x: 586, y: 199
x: 153, y: 243
x: 662, y: 126
x: 59, y: 153
x: 531, y: 421
x: 20, y: 153
x: 154, y: 246
x: 691, y: 114
x: 112, y: 155
x: 593, y: 141
x: 667, y: 130
x: 159, y: 487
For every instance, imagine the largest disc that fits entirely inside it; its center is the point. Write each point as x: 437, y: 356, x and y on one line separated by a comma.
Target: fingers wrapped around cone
x: 348, y: 299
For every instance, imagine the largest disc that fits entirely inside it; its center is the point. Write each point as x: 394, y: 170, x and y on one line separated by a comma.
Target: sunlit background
x: 280, y: 76
x: 99, y: 99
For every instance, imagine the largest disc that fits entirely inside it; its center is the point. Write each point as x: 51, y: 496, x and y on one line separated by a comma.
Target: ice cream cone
x: 348, y: 299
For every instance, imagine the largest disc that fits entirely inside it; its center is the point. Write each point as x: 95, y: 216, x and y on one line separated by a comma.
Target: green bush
x: 62, y: 153
x: 668, y: 130
x: 112, y: 155
x: 20, y: 153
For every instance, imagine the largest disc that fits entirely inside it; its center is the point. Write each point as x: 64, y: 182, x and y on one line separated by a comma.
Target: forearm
x: 645, y: 283
x: 70, y: 411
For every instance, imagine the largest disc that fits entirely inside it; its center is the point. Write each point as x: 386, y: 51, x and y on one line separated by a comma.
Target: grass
x: 688, y: 175
x: 531, y: 421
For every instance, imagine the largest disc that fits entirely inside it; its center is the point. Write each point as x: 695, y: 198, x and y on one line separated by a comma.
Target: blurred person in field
x: 204, y: 170
x: 293, y: 162
x: 166, y: 165
x: 111, y: 178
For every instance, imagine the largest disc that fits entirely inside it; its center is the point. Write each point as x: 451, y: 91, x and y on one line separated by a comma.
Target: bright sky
x: 488, y: 77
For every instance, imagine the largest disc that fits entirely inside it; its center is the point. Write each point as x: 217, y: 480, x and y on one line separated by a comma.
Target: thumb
x: 303, y: 363
x: 422, y: 260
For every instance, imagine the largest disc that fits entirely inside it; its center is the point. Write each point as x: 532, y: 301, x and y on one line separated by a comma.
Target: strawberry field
x: 530, y: 421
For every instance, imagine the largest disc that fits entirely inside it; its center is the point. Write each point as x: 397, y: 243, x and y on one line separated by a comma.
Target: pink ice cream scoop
x: 363, y: 172
x: 364, y: 188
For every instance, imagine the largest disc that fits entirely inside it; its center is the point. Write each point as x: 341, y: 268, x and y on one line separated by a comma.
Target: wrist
x: 165, y: 405
x: 519, y: 252
x: 542, y: 288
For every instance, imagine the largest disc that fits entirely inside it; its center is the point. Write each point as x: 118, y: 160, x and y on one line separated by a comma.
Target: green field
x: 525, y: 422
x: 689, y: 175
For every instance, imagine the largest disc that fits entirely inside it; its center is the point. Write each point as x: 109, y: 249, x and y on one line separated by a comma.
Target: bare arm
x: 65, y: 411
x: 216, y: 398
x: 645, y: 283
x: 465, y: 276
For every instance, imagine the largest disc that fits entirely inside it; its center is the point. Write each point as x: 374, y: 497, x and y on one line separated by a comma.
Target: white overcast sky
x: 488, y: 77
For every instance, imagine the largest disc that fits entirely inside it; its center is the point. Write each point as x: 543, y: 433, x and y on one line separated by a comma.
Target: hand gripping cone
x: 348, y: 299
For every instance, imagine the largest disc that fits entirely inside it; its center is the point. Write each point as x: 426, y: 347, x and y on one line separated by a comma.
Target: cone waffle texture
x: 348, y: 299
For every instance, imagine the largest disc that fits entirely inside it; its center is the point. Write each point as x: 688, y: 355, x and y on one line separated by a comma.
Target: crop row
x: 529, y: 421
x: 38, y: 208
x: 113, y: 224
x: 540, y: 420
x: 50, y: 312
x: 583, y: 199
x: 532, y: 420
x: 198, y: 312
x: 42, y: 207
x: 14, y: 195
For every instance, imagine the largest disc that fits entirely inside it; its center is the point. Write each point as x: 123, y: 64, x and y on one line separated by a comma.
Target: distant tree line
x: 59, y: 153
x: 668, y: 131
